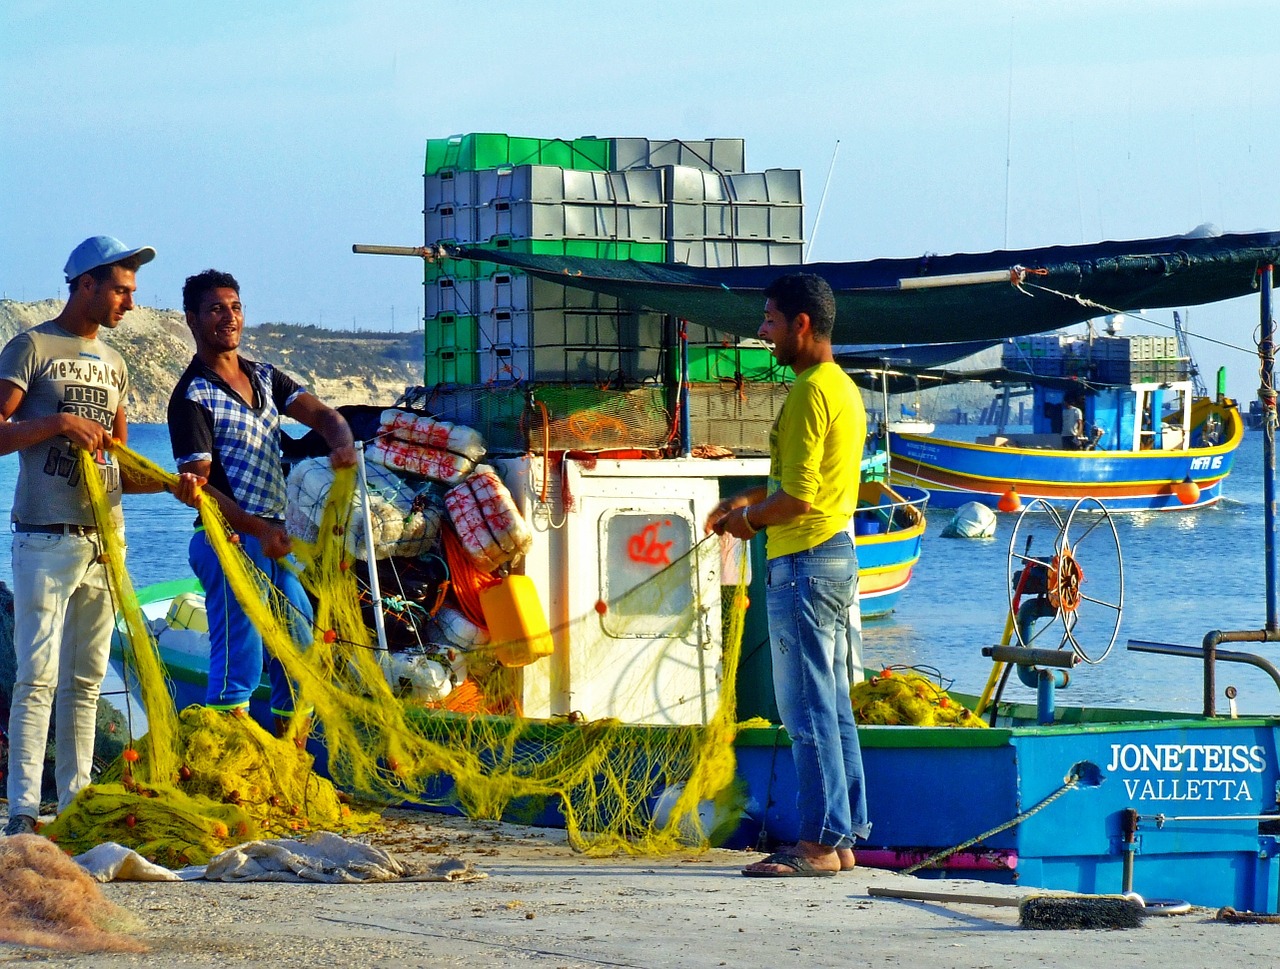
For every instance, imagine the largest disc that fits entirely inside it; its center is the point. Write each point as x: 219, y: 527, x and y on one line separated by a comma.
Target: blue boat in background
x: 1148, y: 442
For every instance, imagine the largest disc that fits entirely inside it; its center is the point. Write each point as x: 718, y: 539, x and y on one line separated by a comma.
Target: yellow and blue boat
x: 1178, y: 461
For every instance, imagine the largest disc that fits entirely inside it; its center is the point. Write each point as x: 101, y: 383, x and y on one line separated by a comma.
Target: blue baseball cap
x: 102, y: 251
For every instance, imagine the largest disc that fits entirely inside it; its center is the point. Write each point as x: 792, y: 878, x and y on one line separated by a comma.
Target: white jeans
x: 63, y: 619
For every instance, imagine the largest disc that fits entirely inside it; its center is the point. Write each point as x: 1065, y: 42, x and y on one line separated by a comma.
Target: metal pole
x: 375, y: 590
x: 888, y: 456
x: 686, y: 424
x: 1266, y: 354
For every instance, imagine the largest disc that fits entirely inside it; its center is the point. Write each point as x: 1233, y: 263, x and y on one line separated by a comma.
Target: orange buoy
x: 1009, y: 501
x: 1188, y: 491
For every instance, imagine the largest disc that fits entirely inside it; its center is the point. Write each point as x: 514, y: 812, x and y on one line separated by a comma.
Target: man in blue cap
x: 62, y: 389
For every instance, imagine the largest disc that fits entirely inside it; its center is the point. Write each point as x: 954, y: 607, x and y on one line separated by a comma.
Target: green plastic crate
x: 583, y: 248
x: 457, y: 268
x: 714, y: 364
x: 450, y: 367
x: 450, y: 331
x: 478, y: 151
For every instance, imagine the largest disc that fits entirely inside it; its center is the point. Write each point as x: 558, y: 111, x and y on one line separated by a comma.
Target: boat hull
x: 888, y: 534
x: 930, y: 789
x: 957, y: 472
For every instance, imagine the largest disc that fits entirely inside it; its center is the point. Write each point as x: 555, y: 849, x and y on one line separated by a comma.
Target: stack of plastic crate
x: 606, y: 198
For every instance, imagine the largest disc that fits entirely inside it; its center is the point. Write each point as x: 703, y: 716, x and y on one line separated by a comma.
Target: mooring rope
x: 1069, y: 783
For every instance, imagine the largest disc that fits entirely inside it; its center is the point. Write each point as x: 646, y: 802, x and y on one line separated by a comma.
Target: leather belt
x: 64, y: 529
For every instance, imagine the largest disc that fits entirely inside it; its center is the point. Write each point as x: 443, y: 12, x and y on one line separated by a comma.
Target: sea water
x: 1185, y: 573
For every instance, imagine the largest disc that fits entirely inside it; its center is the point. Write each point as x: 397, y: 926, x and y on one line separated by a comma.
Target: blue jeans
x: 235, y: 646
x: 810, y: 594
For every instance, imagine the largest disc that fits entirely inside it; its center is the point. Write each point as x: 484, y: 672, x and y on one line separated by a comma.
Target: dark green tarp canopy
x: 905, y: 380
x: 876, y: 301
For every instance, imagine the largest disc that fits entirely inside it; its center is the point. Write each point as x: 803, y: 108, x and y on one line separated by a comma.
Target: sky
x: 266, y: 138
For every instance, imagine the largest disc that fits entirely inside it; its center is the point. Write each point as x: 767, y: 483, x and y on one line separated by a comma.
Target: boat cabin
x: 1133, y: 393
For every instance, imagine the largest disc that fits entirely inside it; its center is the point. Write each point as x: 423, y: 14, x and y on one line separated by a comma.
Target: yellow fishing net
x: 907, y: 698
x: 205, y: 780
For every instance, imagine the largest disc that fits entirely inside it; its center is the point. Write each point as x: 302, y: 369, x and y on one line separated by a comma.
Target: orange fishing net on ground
x: 47, y: 900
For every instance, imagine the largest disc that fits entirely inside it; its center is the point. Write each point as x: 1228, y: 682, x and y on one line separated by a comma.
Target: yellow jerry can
x: 517, y: 624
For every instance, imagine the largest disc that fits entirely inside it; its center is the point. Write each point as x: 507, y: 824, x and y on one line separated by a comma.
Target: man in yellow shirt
x: 815, y: 451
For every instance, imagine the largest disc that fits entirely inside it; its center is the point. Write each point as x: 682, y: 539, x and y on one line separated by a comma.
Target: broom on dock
x: 1042, y: 911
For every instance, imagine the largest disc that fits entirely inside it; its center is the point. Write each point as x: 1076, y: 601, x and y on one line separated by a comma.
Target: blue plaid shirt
x: 208, y: 421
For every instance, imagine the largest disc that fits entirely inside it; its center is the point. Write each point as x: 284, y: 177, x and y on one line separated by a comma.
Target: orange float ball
x: 1009, y: 501
x: 330, y: 636
x: 1187, y: 491
x: 601, y: 606
x: 130, y: 754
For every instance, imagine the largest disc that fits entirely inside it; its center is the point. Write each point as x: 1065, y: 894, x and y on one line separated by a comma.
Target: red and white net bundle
x: 487, y: 521
x: 420, y: 445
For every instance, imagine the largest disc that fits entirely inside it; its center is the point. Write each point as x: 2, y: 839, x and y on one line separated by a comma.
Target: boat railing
x: 1210, y: 655
x: 905, y: 512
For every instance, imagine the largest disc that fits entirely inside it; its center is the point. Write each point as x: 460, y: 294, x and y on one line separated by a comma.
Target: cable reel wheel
x: 1082, y: 603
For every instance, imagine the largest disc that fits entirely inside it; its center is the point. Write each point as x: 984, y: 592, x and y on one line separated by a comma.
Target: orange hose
x: 465, y: 580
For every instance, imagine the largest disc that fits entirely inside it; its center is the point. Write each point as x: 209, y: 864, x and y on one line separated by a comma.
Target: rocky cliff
x: 339, y: 367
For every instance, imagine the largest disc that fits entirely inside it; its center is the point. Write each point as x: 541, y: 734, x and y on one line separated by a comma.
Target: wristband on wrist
x: 746, y: 519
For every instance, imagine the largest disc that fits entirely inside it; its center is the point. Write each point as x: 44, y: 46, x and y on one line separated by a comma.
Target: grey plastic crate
x: 684, y: 221
x: 771, y: 222
x: 450, y: 295
x: 450, y: 187
x: 684, y: 184
x: 780, y: 186
x: 520, y: 293
x: 639, y: 223
x: 641, y: 186
x: 587, y: 326
x: 456, y: 222
x: 702, y: 252
x: 546, y: 220
x: 716, y: 252
x: 768, y: 253
x: 566, y: 364
x: 711, y: 154
x: 543, y: 183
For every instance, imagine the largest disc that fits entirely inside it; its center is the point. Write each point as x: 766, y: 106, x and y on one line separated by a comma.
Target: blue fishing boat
x: 1145, y: 441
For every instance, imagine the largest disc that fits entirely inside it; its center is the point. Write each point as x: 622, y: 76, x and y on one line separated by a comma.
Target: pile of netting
x: 908, y: 698
x: 47, y: 900
x: 198, y: 783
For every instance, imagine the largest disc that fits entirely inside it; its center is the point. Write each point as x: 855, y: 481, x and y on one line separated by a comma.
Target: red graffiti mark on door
x: 646, y: 548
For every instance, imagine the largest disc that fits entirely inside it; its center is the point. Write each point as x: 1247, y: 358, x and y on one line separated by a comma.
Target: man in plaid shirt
x: 224, y: 426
